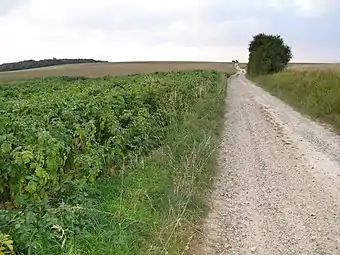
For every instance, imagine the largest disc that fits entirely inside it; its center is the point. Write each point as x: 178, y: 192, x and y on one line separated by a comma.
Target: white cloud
x: 50, y: 29
x: 122, y: 30
x: 313, y: 8
x: 304, y: 8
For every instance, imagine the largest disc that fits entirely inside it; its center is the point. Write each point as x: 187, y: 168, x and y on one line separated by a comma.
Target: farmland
x: 97, y: 164
x: 104, y: 69
x: 126, y: 68
x: 108, y: 165
x: 315, y: 66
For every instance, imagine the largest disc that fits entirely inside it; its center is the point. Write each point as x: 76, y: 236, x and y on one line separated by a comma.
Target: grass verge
x: 158, y: 205
x: 313, y: 92
x: 152, y: 205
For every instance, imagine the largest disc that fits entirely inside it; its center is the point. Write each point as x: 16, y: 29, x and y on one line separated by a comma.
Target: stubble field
x: 114, y: 69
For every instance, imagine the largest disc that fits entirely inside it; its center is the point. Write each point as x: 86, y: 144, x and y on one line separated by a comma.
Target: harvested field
x: 126, y: 68
x: 115, y: 69
x: 319, y: 66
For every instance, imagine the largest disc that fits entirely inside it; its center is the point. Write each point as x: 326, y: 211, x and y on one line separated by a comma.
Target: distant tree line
x: 27, y: 64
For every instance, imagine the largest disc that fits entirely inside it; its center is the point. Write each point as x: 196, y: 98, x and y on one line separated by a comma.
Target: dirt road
x: 278, y: 189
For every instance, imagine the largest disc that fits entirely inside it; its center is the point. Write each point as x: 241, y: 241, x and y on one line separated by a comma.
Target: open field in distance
x: 332, y: 66
x: 126, y: 68
x: 114, y: 69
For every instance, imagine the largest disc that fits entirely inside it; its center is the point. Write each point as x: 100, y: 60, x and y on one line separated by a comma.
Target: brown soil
x: 103, y: 69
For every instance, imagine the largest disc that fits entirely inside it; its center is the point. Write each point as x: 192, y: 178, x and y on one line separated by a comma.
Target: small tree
x: 268, y: 54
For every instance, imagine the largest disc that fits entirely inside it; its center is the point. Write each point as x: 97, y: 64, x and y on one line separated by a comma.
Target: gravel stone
x: 280, y: 170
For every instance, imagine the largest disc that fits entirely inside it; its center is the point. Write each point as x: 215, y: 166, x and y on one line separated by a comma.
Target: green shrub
x: 267, y: 54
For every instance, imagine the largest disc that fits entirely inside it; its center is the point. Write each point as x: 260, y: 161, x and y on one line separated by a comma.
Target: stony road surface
x: 278, y: 186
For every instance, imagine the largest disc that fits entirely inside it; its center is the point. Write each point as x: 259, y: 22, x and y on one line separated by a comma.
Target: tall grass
x: 152, y: 204
x: 315, y: 92
x: 157, y: 205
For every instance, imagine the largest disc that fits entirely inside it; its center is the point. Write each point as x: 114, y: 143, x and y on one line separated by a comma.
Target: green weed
x: 154, y: 198
x: 313, y: 92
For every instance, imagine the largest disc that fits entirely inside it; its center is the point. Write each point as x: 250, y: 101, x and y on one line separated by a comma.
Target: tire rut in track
x: 278, y: 186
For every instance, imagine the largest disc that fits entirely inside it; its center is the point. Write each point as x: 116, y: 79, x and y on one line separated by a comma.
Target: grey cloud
x: 297, y: 30
x: 228, y: 33
x: 221, y: 10
x: 122, y: 17
x: 218, y: 12
x: 313, y: 33
x: 119, y: 17
x: 8, y: 5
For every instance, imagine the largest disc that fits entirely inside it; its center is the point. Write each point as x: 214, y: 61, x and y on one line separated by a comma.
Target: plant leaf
x: 32, y: 186
x: 40, y: 172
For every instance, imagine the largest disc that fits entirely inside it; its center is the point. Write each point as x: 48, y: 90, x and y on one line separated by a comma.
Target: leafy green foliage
x: 54, y: 131
x: 267, y: 54
x: 152, y: 202
x: 6, y: 244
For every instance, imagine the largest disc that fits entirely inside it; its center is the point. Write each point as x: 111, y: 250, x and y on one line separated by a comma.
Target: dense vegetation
x: 61, y: 138
x: 267, y: 54
x: 312, y: 91
x: 28, y: 64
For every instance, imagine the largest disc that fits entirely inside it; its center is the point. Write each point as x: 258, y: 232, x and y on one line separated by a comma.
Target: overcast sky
x: 127, y: 30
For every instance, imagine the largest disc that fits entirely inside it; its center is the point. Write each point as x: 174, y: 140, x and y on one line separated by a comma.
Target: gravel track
x: 277, y: 190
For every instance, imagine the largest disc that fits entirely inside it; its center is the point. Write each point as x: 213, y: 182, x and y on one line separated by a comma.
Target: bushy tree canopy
x: 268, y: 54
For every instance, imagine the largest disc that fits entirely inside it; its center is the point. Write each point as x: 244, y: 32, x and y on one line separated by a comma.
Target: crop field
x: 104, y: 69
x: 315, y: 66
x: 109, y: 165
x: 91, y: 163
x: 126, y: 68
